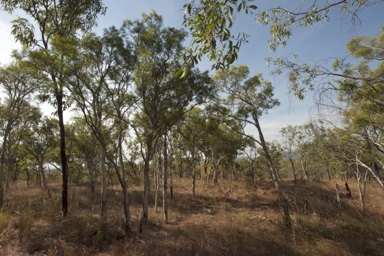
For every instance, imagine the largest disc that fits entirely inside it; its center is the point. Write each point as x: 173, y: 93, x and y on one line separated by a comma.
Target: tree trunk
x: 283, y: 201
x: 41, y: 168
x: 181, y: 167
x: 165, y: 178
x: 123, y: 183
x: 359, y: 162
x: 293, y: 170
x: 328, y: 172
x: 63, y: 154
x: 144, y: 214
x: 156, y: 177
x: 103, y: 212
x: 305, y: 170
x: 170, y: 176
x: 90, y: 180
x: 2, y: 162
x: 193, y: 182
x: 338, y: 198
x: 362, y: 190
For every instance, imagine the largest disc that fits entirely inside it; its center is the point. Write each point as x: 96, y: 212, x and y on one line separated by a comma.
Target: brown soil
x: 229, y: 219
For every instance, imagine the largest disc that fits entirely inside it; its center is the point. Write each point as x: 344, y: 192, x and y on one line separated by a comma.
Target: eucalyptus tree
x: 40, y: 140
x: 120, y: 101
x: 360, y: 88
x: 100, y: 90
x: 87, y: 146
x: 203, y: 135
x: 16, y: 136
x: 57, y: 22
x: 18, y: 82
x: 212, y: 23
x: 247, y: 99
x: 290, y: 134
x: 163, y: 97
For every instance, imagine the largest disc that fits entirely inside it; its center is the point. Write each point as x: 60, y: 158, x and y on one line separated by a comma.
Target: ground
x: 229, y: 219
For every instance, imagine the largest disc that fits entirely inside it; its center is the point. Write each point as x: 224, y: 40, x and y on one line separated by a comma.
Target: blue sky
x: 321, y: 41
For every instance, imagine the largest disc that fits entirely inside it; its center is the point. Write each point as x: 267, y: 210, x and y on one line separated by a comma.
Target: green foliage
x: 210, y: 24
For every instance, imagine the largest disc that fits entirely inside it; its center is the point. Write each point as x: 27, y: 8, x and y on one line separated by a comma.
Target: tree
x: 100, y: 90
x: 57, y: 21
x: 289, y: 134
x: 247, y: 100
x: 163, y: 97
x: 39, y: 141
x: 19, y: 82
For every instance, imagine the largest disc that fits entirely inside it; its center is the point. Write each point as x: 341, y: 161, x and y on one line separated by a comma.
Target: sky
x: 325, y: 40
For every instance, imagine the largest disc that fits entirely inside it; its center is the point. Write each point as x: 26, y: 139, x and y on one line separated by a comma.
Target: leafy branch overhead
x: 211, y: 24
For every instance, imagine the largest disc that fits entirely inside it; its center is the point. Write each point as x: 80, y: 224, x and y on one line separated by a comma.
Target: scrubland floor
x: 229, y: 219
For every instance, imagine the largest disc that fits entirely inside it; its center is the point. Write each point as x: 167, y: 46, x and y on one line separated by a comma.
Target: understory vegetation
x: 229, y: 219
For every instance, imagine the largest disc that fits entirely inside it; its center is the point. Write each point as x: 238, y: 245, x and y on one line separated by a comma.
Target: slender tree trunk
x: 171, y: 175
x: 194, y: 182
x: 305, y: 170
x: 41, y: 168
x: 282, y: 199
x: 123, y: 182
x: 359, y: 162
x: 293, y: 169
x: 362, y: 190
x: 328, y: 172
x: 181, y: 167
x: 63, y: 154
x: 338, y: 198
x: 144, y: 214
x: 156, y: 177
x: 215, y: 174
x: 165, y: 178
x: 90, y: 180
x: 7, y: 176
x: 103, y: 193
x: 2, y: 163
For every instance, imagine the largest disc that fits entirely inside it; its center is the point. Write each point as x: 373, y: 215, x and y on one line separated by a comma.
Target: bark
x: 165, y: 178
x: 359, y: 162
x: 328, y: 172
x: 170, y: 177
x: 338, y: 198
x: 293, y: 170
x: 63, y: 154
x: 305, y: 170
x: 90, y: 180
x: 194, y: 182
x: 124, y: 186
x: 45, y: 184
x: 362, y: 190
x: 181, y: 167
x: 1, y: 179
x: 2, y: 163
x: 156, y: 177
x: 103, y: 210
x: 274, y: 173
x: 144, y: 214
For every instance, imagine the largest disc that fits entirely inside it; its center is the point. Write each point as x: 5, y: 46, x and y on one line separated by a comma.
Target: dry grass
x: 230, y: 219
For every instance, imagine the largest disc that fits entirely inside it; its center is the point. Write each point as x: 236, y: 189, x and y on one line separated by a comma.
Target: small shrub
x: 4, y: 225
x: 25, y: 224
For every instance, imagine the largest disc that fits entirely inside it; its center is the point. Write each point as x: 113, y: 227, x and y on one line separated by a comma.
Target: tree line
x: 144, y: 110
